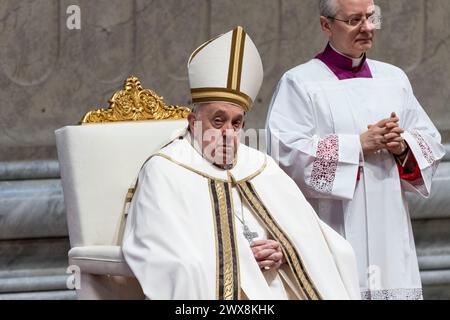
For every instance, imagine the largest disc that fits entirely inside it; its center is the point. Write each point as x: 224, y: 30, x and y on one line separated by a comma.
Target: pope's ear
x: 191, y: 120
x: 325, y: 23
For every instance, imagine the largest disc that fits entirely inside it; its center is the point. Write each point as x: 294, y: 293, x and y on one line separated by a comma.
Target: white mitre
x: 226, y: 68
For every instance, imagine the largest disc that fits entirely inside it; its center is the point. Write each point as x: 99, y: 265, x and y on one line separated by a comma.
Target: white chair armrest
x: 100, y: 260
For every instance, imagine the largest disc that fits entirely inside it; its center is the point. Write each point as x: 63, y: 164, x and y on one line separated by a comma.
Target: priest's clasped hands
x: 385, y: 135
x: 268, y: 254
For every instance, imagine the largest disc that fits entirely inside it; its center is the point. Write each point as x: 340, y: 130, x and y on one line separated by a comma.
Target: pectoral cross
x: 249, y: 235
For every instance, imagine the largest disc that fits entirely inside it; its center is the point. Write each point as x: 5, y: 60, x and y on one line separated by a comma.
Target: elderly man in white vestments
x: 213, y: 219
x: 353, y: 136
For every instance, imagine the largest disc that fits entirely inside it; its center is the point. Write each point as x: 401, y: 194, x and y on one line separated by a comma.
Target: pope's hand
x: 268, y: 254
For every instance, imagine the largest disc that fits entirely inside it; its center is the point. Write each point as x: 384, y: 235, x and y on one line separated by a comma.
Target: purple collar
x: 342, y: 66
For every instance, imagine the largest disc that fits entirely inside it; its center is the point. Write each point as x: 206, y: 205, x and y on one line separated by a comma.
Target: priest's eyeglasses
x: 373, y: 18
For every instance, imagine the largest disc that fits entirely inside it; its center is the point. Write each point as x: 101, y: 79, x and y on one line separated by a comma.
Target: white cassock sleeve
x: 424, y: 141
x: 157, y: 242
x: 323, y: 165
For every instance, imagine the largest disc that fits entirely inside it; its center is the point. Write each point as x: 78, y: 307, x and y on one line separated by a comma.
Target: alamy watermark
x: 73, y: 281
x: 73, y: 21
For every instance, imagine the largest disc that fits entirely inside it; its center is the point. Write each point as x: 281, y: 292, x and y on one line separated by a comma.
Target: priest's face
x: 352, y: 41
x: 216, y: 127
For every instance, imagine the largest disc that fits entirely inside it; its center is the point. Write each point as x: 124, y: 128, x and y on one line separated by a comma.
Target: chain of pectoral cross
x: 248, y: 234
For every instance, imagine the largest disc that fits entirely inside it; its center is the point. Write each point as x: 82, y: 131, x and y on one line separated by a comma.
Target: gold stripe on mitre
x: 200, y: 95
x: 236, y: 59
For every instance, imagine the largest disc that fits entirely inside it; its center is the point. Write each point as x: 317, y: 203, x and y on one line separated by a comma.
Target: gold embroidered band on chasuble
x: 227, y: 279
x: 293, y: 258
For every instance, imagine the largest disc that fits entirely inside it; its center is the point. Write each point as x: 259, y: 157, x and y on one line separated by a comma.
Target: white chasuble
x: 184, y: 238
x: 314, y: 126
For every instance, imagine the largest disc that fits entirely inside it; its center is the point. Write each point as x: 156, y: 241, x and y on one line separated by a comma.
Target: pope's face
x: 221, y: 125
x: 349, y: 40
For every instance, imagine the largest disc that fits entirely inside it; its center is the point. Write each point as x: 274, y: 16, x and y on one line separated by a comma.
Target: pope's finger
x: 277, y: 256
x: 257, y: 243
x: 266, y: 264
x: 264, y: 254
x: 255, y: 250
x: 266, y: 245
x: 275, y: 244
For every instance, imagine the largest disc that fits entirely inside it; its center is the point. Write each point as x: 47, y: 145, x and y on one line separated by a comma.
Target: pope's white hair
x: 196, y: 107
x: 328, y: 8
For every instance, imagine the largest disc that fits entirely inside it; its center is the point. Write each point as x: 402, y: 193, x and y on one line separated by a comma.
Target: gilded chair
x: 99, y: 161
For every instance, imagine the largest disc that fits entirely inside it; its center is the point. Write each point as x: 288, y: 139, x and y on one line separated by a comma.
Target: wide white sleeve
x: 424, y: 141
x: 156, y: 240
x: 322, y: 163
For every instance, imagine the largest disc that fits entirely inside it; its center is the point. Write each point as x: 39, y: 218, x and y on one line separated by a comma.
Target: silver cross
x: 249, y: 235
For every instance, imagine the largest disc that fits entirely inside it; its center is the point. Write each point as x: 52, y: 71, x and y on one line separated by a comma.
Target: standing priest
x: 353, y: 136
x: 214, y: 219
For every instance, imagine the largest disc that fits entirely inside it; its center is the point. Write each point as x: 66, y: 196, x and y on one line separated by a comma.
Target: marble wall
x: 51, y: 75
